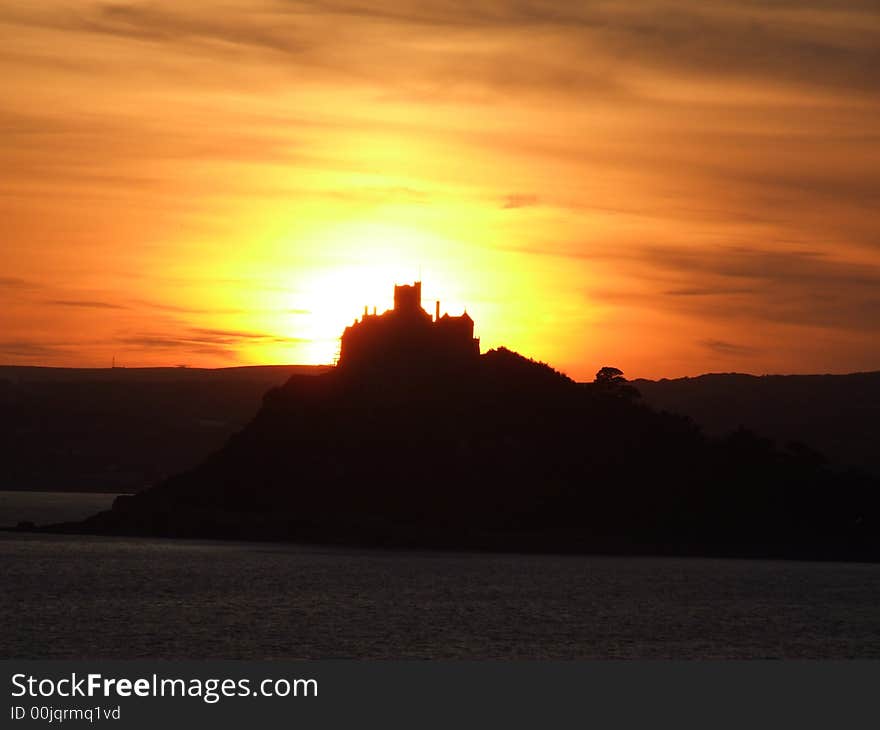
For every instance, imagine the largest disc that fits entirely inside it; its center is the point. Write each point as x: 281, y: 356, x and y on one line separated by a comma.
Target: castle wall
x: 407, y: 336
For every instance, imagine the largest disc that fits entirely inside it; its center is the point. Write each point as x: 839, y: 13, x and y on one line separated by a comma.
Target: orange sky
x: 667, y: 187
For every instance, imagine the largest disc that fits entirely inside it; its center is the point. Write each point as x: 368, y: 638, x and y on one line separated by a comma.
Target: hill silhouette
x: 126, y: 429
x: 120, y: 429
x: 498, y: 451
x: 837, y: 414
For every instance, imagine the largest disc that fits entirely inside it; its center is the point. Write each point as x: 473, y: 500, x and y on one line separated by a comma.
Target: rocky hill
x: 503, y: 453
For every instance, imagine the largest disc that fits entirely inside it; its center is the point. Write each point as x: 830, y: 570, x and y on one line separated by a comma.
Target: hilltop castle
x: 407, y: 335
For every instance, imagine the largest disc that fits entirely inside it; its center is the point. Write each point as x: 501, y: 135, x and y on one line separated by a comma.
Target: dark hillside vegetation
x: 504, y: 453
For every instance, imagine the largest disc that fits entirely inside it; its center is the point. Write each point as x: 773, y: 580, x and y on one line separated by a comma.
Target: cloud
x: 229, y: 336
x: 809, y: 288
x: 151, y: 22
x: 181, y: 309
x: 822, y: 45
x: 86, y: 304
x: 519, y: 200
x: 706, y: 292
x: 390, y: 41
x: 184, y: 309
x: 804, y: 267
x: 174, y: 344
x: 729, y: 349
x: 13, y: 282
x: 203, y: 340
x: 36, y: 350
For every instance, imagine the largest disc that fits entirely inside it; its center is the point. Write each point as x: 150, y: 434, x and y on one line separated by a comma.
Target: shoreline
x: 511, y: 543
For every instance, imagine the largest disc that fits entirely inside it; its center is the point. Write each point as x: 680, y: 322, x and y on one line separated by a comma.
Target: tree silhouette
x: 608, y: 376
x: 610, y: 380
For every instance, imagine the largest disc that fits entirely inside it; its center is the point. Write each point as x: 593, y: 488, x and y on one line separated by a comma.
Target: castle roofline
x: 408, y: 333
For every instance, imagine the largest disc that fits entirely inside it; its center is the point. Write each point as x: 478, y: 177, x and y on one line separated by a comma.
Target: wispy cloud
x: 519, y: 200
x: 13, y: 282
x: 85, y: 304
x: 728, y: 349
x: 798, y: 287
x: 204, y: 340
x: 36, y: 351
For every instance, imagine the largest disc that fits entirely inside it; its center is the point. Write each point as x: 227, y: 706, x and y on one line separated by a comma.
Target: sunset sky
x: 666, y: 187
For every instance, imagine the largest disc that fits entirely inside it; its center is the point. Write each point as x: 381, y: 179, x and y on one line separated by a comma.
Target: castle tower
x: 408, y: 298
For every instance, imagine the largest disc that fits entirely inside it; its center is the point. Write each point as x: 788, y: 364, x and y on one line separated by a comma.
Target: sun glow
x: 219, y: 189
x: 363, y: 261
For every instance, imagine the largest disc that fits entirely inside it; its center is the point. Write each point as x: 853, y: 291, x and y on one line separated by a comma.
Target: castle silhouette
x: 408, y: 336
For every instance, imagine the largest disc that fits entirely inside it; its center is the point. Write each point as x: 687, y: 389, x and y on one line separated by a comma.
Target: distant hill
x: 839, y: 415
x: 120, y: 429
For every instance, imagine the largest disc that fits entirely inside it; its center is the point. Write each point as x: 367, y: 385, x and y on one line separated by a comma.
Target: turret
x: 408, y: 298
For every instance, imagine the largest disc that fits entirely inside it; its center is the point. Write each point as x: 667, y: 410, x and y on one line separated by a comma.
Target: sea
x: 84, y: 597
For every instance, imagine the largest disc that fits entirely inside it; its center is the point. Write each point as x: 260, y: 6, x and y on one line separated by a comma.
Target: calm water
x: 87, y: 597
x: 43, y: 508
